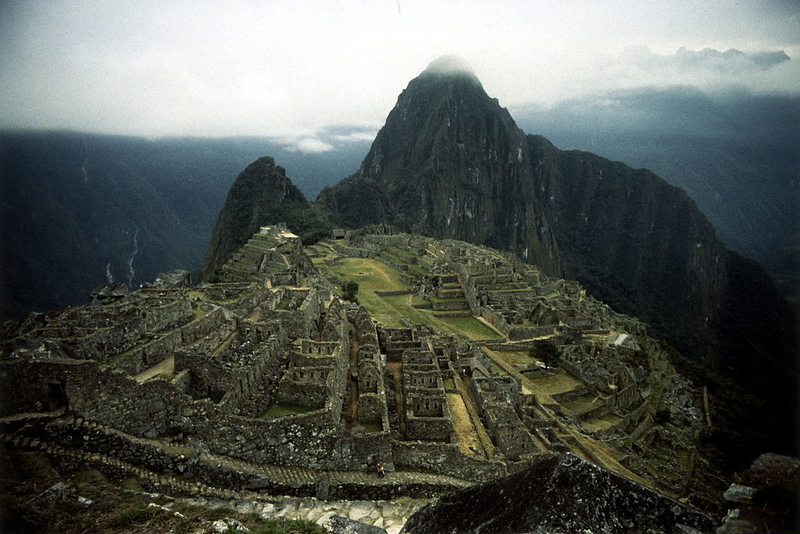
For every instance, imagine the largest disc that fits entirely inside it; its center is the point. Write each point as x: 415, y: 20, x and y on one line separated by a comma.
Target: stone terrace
x: 270, y: 383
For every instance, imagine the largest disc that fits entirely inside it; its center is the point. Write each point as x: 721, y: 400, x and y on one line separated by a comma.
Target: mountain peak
x: 450, y: 65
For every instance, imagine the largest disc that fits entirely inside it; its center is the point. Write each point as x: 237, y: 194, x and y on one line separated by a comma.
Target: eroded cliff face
x: 638, y: 243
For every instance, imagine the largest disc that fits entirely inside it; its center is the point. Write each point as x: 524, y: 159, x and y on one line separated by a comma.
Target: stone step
x: 500, y: 286
x: 450, y: 293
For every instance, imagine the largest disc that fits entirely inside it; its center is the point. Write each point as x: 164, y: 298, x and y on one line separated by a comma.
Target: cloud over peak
x: 448, y: 65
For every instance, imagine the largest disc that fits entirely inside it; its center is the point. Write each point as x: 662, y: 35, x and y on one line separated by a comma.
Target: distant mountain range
x: 451, y: 163
x: 736, y: 156
x: 80, y: 209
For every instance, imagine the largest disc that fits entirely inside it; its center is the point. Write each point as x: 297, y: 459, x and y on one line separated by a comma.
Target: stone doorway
x: 55, y: 396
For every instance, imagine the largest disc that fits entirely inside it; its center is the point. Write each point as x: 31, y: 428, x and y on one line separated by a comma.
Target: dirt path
x: 352, y: 409
x: 396, y: 369
x: 466, y: 437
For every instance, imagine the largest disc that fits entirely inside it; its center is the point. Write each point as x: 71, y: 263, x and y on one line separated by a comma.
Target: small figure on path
x: 381, y: 471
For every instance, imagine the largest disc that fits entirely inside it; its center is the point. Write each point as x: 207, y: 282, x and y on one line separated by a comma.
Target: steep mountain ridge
x: 447, y: 161
x: 734, y: 153
x: 640, y: 244
x: 451, y: 163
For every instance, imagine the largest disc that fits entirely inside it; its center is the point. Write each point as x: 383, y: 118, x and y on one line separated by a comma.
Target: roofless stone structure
x: 269, y: 382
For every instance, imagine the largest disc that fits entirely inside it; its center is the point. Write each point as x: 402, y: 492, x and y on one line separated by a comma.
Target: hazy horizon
x: 318, y: 75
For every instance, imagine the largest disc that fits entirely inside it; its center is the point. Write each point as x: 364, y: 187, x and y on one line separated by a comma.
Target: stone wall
x: 517, y: 333
x: 155, y: 408
x: 496, y: 319
x: 145, y: 356
x: 372, y: 408
x: 449, y: 305
x: 298, y: 310
x: 109, y: 397
x: 265, y: 368
x: 446, y: 459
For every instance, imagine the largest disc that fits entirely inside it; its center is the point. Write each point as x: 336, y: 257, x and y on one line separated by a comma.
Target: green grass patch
x: 436, y: 298
x: 583, y: 404
x: 516, y: 357
x: 402, y: 252
x: 373, y: 275
x: 554, y: 384
x: 372, y: 427
x: 370, y: 275
x: 470, y: 327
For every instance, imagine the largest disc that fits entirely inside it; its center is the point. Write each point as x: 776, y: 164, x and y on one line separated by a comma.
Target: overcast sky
x: 295, y: 68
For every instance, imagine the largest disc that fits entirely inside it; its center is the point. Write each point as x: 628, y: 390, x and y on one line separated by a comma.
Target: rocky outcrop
x: 562, y: 494
x: 766, y: 499
x: 338, y: 524
x: 447, y: 162
x: 262, y: 195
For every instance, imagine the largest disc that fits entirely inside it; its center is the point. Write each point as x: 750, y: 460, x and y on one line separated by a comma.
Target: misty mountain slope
x: 735, y: 154
x: 77, y: 208
x: 453, y: 164
x: 640, y: 244
x: 78, y: 211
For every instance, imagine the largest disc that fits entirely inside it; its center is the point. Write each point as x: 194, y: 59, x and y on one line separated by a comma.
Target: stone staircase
x: 257, y: 260
x: 450, y: 299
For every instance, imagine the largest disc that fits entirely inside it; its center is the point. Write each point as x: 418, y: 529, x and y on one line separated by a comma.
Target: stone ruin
x: 273, y: 255
x: 266, y: 381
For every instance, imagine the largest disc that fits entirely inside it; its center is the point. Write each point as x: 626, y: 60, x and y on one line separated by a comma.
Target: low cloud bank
x: 733, y: 61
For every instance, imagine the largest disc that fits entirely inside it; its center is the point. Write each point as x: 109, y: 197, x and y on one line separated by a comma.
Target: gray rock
x: 558, y: 495
x: 112, y: 291
x: 740, y: 494
x: 229, y: 524
x: 174, y: 279
x: 341, y: 525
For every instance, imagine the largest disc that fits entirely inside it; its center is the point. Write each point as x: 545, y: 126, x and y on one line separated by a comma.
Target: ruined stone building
x: 267, y: 381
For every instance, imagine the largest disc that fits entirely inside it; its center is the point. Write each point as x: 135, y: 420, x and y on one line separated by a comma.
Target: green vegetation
x: 516, y: 357
x: 468, y: 326
x: 370, y: 275
x: 372, y: 427
x: 349, y: 291
x: 741, y: 423
x: 373, y: 276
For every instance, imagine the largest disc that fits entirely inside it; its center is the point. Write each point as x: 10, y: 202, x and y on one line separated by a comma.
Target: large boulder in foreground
x: 562, y: 494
